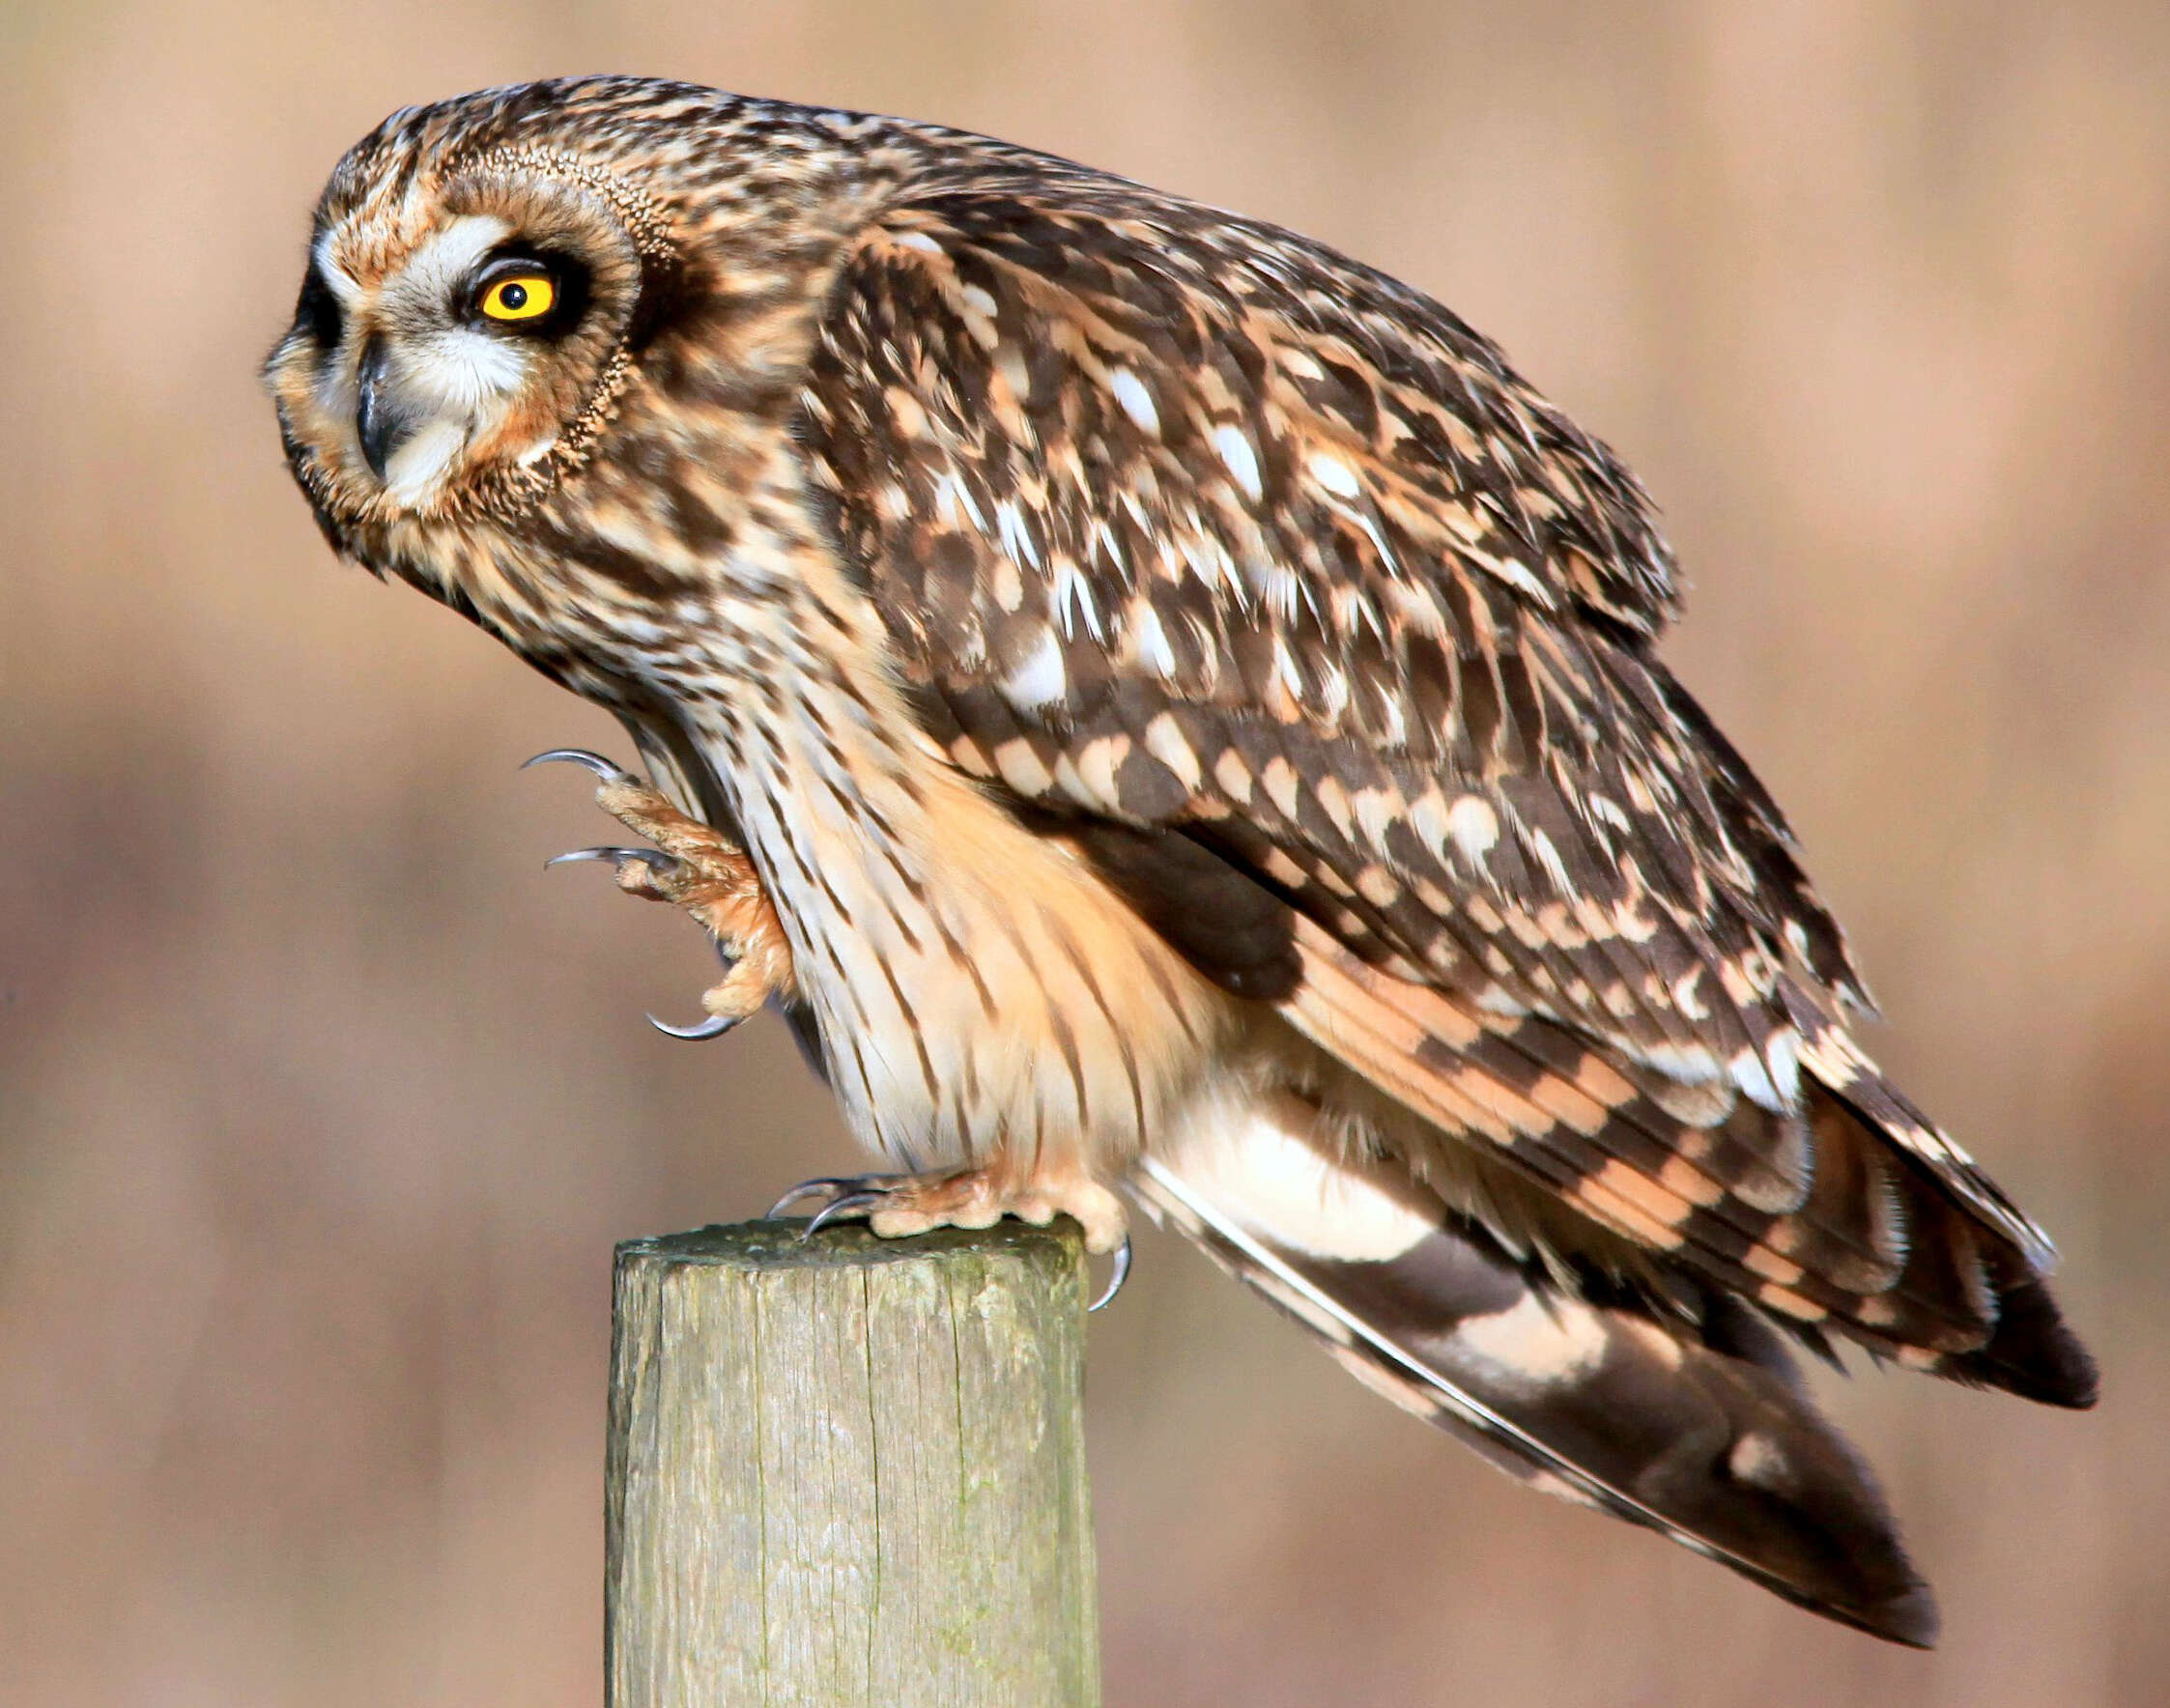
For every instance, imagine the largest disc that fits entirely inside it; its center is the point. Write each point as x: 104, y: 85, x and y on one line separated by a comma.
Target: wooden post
x: 850, y: 1471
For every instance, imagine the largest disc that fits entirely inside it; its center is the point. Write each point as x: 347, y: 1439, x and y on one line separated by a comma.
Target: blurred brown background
x: 321, y: 1106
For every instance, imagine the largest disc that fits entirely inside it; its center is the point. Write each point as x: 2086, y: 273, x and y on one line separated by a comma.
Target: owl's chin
x: 413, y: 477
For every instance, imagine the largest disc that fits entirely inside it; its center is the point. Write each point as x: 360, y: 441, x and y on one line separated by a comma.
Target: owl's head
x: 488, y: 277
x: 467, y: 312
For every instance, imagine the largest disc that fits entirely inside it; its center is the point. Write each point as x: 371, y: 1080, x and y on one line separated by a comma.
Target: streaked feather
x: 1163, y: 672
x: 1709, y: 1442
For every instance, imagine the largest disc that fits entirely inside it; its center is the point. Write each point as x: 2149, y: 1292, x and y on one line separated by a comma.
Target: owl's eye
x: 319, y: 310
x: 518, y: 296
x: 542, y: 294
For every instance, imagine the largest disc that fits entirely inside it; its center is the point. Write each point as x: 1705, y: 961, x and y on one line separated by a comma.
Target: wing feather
x: 1185, y: 527
x: 1701, y: 1434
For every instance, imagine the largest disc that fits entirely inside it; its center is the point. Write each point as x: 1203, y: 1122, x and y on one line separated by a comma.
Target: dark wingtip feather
x: 1702, y: 1436
x: 2032, y: 1352
x: 1909, y: 1617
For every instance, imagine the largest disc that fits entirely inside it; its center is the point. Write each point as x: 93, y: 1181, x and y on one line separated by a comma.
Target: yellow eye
x: 523, y: 296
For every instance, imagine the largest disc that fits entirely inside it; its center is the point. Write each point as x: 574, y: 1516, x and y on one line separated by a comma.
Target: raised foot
x: 895, y: 1206
x: 693, y: 867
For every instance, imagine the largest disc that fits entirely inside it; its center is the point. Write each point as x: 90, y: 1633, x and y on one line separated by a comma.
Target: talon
x: 808, y: 1190
x: 843, y: 1206
x: 655, y: 858
x: 1120, y: 1274
x: 595, y: 763
x: 715, y: 1026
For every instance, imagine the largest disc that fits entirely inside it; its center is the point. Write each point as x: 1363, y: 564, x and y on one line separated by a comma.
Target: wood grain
x: 849, y: 1471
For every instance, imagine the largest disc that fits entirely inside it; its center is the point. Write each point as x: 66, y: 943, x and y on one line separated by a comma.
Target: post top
x: 783, y: 1246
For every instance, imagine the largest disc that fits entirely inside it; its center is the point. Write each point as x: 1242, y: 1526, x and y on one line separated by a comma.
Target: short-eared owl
x: 1162, y: 704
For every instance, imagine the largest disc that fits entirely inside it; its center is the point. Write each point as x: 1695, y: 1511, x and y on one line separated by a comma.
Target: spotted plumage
x: 1191, y: 713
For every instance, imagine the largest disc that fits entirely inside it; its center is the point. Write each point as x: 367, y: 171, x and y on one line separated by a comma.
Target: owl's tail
x: 1700, y: 1431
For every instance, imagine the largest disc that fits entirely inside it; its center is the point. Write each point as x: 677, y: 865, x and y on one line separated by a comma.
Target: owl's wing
x: 1700, y: 1431
x: 1263, y: 580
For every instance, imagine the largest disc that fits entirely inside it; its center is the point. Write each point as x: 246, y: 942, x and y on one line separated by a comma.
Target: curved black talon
x: 843, y: 1206
x: 654, y: 859
x: 836, y: 1184
x: 573, y: 755
x: 1115, y: 1280
x: 715, y: 1026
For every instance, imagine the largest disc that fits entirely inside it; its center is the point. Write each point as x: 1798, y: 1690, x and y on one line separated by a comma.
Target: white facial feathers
x: 452, y: 380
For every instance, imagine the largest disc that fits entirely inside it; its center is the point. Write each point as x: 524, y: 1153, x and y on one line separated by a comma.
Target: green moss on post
x: 849, y: 1471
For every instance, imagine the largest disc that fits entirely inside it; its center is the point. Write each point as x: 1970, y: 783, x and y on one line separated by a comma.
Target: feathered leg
x: 695, y: 867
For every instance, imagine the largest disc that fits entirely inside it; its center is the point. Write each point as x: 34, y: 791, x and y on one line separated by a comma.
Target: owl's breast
x: 974, y: 984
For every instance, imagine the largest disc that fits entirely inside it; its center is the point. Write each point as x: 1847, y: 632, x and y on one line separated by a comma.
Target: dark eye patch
x: 316, y: 312
x: 663, y: 299
x: 568, y: 275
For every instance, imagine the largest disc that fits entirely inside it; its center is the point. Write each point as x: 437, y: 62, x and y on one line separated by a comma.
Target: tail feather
x: 1970, y: 1255
x: 1701, y: 1433
x: 2031, y: 1352
x: 1848, y: 1211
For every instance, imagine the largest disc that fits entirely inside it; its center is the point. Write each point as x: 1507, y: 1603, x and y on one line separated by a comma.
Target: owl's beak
x: 380, y: 424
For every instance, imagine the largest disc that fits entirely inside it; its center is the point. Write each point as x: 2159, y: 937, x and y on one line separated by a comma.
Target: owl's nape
x: 1170, y: 702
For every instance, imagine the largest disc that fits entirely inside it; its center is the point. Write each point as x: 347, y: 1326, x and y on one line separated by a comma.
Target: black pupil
x: 514, y: 297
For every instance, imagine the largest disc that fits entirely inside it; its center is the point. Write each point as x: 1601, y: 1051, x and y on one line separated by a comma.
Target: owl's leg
x: 895, y: 1206
x: 898, y: 1205
x: 694, y: 867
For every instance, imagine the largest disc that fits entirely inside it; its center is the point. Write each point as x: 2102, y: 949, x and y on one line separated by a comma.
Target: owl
x: 1164, y: 708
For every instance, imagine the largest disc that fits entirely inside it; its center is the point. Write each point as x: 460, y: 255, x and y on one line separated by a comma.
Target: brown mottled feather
x: 1193, y: 526
x: 1190, y: 711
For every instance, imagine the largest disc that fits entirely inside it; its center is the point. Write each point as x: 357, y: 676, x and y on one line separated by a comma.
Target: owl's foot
x: 895, y: 1206
x: 693, y: 867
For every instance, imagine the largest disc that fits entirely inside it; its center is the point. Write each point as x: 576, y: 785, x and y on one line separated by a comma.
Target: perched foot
x: 895, y: 1206
x: 693, y: 867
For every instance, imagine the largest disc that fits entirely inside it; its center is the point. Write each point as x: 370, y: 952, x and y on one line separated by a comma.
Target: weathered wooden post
x: 849, y: 1471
